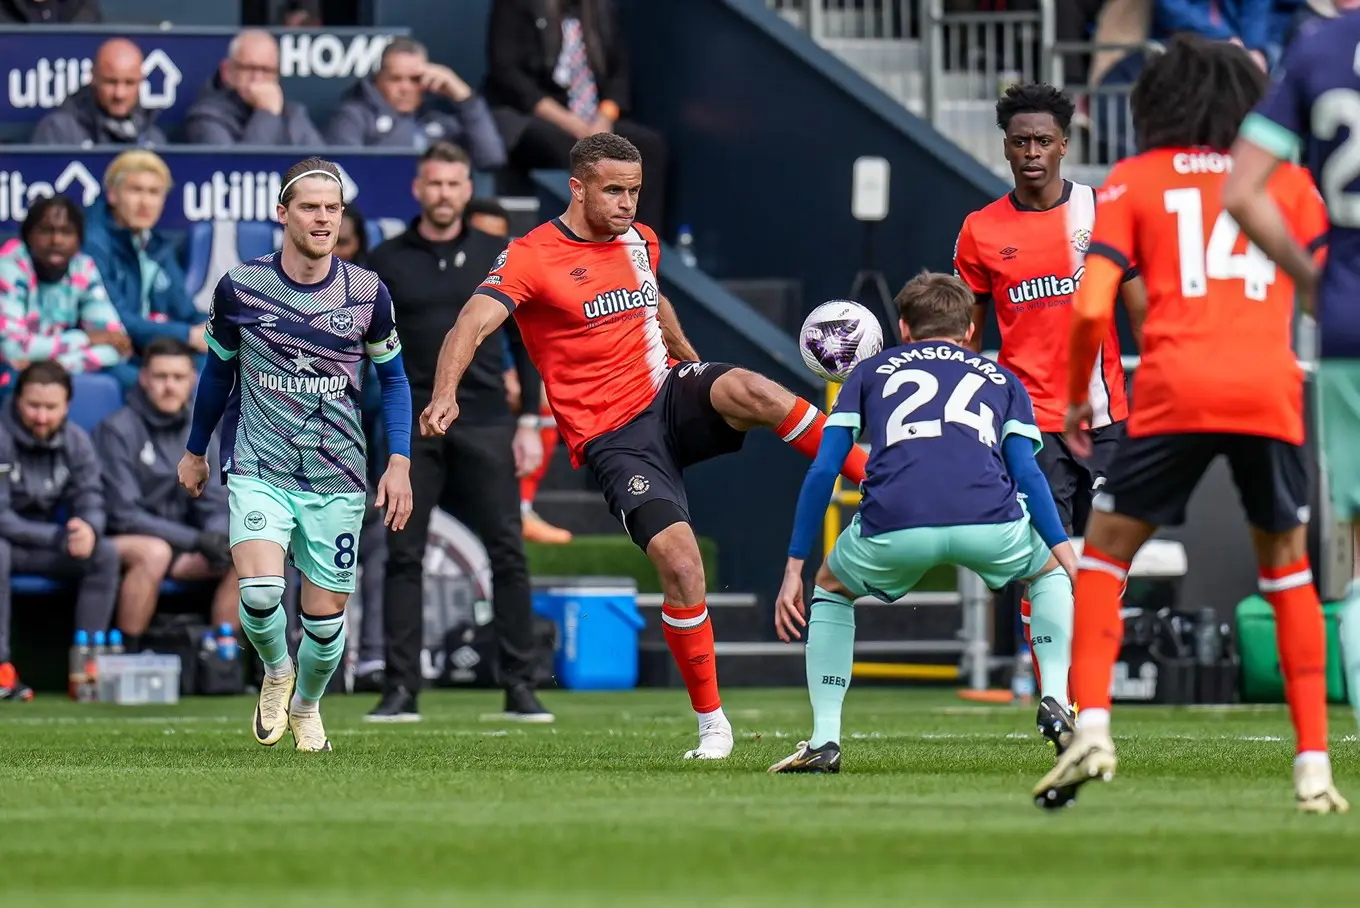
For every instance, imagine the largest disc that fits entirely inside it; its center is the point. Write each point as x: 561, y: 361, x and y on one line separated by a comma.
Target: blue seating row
x: 253, y: 239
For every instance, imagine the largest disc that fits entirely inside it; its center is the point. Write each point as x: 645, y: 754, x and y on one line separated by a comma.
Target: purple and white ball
x: 837, y: 336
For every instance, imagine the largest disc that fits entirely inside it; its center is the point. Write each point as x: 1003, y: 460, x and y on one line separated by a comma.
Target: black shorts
x: 1074, y: 479
x: 643, y: 459
x: 1152, y: 478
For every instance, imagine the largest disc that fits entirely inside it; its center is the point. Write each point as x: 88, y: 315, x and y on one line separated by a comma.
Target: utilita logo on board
x: 50, y: 82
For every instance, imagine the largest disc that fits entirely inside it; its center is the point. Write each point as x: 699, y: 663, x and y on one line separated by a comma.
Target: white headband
x: 311, y: 173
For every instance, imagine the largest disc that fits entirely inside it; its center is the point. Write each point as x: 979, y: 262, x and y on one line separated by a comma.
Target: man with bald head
x: 108, y: 111
x: 243, y: 103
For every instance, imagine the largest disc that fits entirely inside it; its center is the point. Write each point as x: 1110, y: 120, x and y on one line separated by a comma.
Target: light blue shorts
x: 889, y: 565
x: 322, y: 531
x: 1338, y: 402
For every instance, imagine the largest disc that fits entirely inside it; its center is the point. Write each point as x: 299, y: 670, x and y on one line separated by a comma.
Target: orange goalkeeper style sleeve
x: 1092, y: 309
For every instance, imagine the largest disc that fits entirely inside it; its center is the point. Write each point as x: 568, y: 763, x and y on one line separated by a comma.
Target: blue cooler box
x: 598, y: 624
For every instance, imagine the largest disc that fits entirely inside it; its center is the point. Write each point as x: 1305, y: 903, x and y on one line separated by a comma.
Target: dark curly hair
x: 1034, y: 97
x: 1196, y: 94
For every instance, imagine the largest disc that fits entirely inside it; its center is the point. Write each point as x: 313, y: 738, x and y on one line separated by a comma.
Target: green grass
x: 162, y: 806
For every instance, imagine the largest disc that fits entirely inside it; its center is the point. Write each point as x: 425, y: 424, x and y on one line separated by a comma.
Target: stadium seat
x: 255, y: 238
x: 375, y: 234
x: 33, y: 585
x: 197, y: 256
x: 94, y: 396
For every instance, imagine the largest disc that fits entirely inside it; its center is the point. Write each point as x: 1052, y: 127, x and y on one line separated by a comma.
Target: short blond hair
x: 138, y: 160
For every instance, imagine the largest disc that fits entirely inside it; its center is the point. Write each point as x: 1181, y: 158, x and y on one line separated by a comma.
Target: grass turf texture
x: 156, y: 805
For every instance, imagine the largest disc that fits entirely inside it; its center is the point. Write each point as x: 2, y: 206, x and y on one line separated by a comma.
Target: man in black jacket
x: 157, y: 528
x: 51, y: 507
x: 431, y: 270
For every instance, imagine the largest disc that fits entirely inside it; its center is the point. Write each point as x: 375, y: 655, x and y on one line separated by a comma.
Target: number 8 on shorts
x: 322, y: 530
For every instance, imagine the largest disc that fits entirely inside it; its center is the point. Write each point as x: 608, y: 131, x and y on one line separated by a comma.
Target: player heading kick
x: 632, y: 398
x: 289, y: 334
x: 953, y: 438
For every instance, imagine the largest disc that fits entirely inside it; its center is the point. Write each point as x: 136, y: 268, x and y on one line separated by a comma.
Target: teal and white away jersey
x: 293, y: 418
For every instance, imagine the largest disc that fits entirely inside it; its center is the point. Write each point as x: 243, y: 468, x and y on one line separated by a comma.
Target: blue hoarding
x: 45, y: 64
x: 210, y: 185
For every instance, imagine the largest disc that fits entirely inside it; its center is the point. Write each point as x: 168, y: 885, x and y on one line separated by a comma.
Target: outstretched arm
x: 482, y: 315
x: 677, y: 345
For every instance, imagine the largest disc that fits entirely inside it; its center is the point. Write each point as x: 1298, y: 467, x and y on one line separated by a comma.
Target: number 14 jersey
x: 934, y: 415
x: 1217, y: 350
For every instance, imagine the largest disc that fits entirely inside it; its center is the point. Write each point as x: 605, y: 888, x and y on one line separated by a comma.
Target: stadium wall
x: 765, y: 127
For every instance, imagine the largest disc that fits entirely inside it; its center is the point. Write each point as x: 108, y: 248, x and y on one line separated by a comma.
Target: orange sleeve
x: 968, y: 263
x: 514, y: 276
x: 1092, y: 309
x: 1112, y: 237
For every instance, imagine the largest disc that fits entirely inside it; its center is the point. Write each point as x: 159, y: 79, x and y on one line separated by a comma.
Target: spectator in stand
x: 52, y: 301
x: 51, y: 507
x: 557, y: 71
x: 48, y: 12
x: 1245, y: 23
x: 391, y: 110
x: 139, y: 264
x: 108, y: 111
x: 352, y: 243
x: 158, y: 529
x: 243, y: 102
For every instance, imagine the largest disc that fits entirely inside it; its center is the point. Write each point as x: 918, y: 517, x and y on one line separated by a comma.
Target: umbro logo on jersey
x: 1008, y: 253
x: 621, y: 300
x: 579, y: 274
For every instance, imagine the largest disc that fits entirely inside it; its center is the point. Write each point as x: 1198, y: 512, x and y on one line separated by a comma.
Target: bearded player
x: 1218, y: 378
x: 1313, y: 110
x: 288, y: 337
x: 631, y: 397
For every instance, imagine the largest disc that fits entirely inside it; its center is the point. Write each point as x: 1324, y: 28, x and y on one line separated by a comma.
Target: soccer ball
x: 836, y: 336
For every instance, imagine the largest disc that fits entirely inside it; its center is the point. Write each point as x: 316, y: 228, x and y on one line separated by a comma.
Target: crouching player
x: 952, y: 442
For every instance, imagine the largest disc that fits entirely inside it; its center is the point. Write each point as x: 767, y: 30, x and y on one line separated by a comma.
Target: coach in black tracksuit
x: 431, y: 271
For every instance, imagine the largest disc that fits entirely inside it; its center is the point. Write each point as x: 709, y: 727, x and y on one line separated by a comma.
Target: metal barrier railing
x: 1102, y: 132
x: 969, y: 59
x: 890, y: 19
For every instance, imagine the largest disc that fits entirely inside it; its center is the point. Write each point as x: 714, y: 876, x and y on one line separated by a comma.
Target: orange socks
x: 528, y: 485
x: 1034, y: 661
x: 802, y: 429
x: 689, y: 634
x: 1097, y: 630
x: 1301, y: 636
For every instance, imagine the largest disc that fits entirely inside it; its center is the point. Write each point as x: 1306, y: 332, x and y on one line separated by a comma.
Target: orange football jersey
x: 1030, y: 263
x: 1217, y: 344
x: 588, y: 314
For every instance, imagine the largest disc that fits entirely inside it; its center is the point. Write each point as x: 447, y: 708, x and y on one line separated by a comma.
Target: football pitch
x: 177, y: 805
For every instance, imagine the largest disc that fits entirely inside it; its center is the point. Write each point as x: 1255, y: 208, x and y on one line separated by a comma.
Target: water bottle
x: 1022, y: 678
x: 207, y: 646
x: 80, y: 652
x: 684, y: 245
x: 226, y: 643
x: 1208, y: 649
x: 116, y: 642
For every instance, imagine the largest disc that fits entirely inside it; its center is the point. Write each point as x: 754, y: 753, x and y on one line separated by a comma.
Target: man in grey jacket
x: 108, y: 111
x: 243, y: 103
x: 157, y: 528
x: 390, y: 110
x: 51, y: 502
